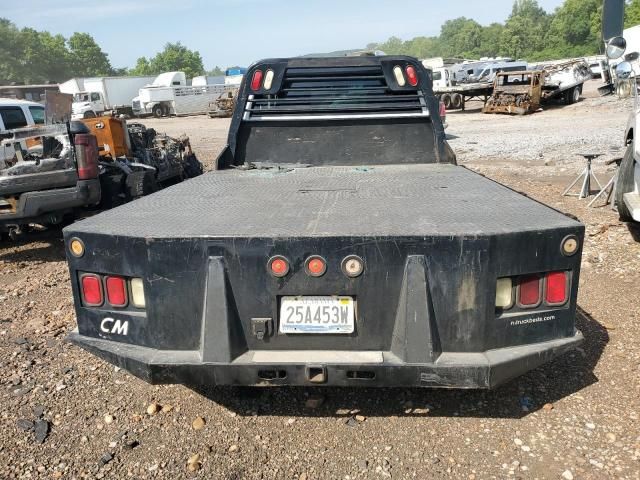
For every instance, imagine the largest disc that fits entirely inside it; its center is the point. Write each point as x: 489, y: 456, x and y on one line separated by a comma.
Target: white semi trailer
x: 169, y: 94
x: 94, y: 96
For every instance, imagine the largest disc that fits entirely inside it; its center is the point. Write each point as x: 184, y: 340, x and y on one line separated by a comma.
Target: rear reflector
x: 256, y: 80
x: 397, y: 72
x: 557, y: 284
x: 137, y: 293
x: 529, y: 291
x: 91, y: 290
x: 412, y: 76
x: 504, y: 293
x: 116, y: 291
x: 268, y: 80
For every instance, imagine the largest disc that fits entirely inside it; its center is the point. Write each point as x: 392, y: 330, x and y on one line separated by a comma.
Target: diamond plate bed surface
x: 404, y: 200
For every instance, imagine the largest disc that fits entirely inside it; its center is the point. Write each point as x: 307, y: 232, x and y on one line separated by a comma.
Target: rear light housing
x: 116, y: 291
x: 86, y: 147
x: 412, y: 75
x: 550, y: 289
x: 107, y: 291
x: 91, y: 289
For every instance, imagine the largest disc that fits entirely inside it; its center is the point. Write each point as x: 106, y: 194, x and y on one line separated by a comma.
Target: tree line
x: 29, y: 56
x: 572, y: 30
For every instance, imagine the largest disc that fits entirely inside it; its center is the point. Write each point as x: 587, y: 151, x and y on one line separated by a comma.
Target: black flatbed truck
x: 339, y: 244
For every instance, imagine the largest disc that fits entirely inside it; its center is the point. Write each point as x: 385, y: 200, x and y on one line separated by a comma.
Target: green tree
x: 45, y: 57
x: 460, y: 37
x: 490, y: 37
x: 11, y: 47
x: 215, y: 71
x: 574, y: 30
x: 525, y: 30
x: 393, y: 46
x: 174, y: 57
x: 632, y: 13
x: 86, y: 57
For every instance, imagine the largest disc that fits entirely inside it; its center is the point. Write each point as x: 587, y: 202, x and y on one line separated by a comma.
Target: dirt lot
x: 578, y: 417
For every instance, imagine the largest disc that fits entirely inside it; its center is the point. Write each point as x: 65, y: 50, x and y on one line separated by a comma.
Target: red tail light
x: 278, y: 266
x: 412, y: 75
x: 91, y: 290
x: 443, y: 110
x: 316, y: 266
x: 256, y: 80
x: 116, y: 291
x: 86, y: 156
x: 557, y: 287
x: 529, y: 291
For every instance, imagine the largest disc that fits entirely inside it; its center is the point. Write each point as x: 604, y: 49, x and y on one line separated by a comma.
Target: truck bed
x: 407, y: 200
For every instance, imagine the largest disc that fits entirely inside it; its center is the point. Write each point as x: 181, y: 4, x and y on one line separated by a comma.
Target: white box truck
x: 103, y: 94
x: 169, y: 94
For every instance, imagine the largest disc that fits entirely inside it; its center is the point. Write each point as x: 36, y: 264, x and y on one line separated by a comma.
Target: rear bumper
x: 35, y: 206
x: 346, y: 368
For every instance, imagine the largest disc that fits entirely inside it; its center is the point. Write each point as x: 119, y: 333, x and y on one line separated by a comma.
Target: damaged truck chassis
x: 339, y: 244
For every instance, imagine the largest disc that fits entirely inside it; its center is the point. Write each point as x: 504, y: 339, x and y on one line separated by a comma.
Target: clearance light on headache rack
x: 412, y: 75
x: 268, y: 80
x: 256, y: 80
x: 397, y: 72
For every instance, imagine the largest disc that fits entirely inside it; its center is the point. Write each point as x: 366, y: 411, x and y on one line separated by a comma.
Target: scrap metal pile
x: 170, y: 156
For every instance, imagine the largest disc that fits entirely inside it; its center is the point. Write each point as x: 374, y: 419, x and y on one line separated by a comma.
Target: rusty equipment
x: 224, y: 105
x: 516, y: 92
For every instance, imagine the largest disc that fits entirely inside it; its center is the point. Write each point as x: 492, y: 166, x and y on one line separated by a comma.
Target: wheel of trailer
x: 139, y: 184
x: 625, y: 183
x: 456, y: 101
x: 165, y: 110
x: 157, y: 110
x: 572, y: 96
x: 89, y: 114
x: 446, y: 99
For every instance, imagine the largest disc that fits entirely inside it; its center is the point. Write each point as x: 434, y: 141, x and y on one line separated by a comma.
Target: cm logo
x: 118, y: 327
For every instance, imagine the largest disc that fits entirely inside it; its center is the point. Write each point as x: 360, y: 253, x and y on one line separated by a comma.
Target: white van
x: 17, y: 114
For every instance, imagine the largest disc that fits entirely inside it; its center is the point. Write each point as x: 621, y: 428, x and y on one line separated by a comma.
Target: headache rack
x: 311, y: 93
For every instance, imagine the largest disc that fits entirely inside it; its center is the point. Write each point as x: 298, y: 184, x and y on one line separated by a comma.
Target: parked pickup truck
x: 338, y: 244
x: 55, y: 172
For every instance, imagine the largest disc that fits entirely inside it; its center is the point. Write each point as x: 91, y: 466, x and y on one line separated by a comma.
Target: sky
x: 238, y: 32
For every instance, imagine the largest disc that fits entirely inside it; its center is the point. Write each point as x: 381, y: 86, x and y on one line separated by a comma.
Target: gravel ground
x: 66, y: 414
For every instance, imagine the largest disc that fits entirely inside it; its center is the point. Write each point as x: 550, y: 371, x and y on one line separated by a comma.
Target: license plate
x: 327, y: 314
